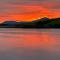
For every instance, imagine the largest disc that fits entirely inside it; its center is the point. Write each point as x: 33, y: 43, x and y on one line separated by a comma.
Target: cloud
x: 28, y: 9
x: 51, y: 5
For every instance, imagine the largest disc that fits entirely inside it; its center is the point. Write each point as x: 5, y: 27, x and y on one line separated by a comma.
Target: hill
x: 39, y: 23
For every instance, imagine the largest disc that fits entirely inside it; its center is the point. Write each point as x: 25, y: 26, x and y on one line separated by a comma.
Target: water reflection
x: 25, y: 44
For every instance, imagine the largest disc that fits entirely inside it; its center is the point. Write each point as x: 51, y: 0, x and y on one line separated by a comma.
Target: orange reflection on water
x: 33, y: 39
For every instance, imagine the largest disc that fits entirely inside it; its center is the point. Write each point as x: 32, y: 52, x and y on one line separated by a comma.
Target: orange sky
x: 26, y: 10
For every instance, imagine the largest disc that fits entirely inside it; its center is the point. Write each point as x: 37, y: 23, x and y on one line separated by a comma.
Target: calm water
x: 29, y: 44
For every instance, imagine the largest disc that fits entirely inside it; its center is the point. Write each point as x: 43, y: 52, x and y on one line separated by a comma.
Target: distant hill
x: 39, y: 23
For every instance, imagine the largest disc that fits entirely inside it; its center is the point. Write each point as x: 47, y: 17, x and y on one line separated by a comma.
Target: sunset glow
x: 28, y: 10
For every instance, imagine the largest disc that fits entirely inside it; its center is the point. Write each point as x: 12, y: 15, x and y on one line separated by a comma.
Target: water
x: 29, y: 44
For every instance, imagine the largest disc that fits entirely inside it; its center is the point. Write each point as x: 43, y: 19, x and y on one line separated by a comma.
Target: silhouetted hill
x: 55, y: 23
x: 42, y: 19
x: 39, y: 23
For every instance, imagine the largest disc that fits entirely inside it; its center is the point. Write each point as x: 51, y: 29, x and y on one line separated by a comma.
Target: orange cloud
x: 27, y: 12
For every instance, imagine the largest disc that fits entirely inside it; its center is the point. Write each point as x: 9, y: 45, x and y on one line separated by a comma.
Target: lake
x: 29, y: 44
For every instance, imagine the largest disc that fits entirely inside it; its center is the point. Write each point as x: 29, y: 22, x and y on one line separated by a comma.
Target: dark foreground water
x: 29, y: 44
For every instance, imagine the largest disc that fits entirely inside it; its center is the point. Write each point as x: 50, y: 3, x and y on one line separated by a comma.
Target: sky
x: 28, y: 10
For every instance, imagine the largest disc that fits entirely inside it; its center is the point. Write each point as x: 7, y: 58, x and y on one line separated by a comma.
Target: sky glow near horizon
x: 28, y: 10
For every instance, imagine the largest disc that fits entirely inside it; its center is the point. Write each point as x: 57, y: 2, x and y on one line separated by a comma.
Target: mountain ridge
x: 39, y: 23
